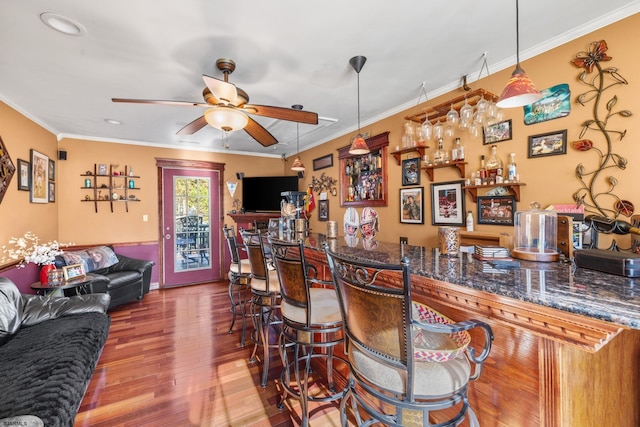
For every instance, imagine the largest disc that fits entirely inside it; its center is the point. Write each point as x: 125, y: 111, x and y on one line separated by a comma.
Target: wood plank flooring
x: 169, y: 361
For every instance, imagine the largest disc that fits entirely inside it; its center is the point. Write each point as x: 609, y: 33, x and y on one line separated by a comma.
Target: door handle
x: 167, y: 236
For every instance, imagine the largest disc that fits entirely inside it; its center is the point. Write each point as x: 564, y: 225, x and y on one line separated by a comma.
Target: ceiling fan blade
x: 193, y: 127
x: 281, y: 113
x: 162, y: 102
x: 224, y: 91
x: 259, y: 133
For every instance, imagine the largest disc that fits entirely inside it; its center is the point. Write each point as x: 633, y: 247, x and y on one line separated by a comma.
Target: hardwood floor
x: 169, y: 361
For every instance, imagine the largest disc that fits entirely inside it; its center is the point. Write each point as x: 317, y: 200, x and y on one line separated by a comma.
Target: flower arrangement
x: 29, y: 249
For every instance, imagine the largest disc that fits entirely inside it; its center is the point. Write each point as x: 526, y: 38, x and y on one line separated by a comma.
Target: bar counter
x: 567, y: 339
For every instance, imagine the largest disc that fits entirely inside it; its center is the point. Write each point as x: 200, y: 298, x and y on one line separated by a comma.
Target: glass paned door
x: 191, y: 212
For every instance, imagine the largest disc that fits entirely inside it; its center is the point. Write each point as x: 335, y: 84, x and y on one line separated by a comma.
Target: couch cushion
x: 46, y: 368
x: 10, y: 309
x: 118, y: 279
x: 93, y: 258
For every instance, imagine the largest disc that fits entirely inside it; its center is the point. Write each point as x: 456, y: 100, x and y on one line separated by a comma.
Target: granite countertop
x: 558, y: 285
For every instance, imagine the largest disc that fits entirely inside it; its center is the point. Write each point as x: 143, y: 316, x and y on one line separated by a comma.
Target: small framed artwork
x: 411, y: 171
x: 412, y: 205
x: 39, y: 177
x: 52, y: 192
x: 23, y: 175
x: 447, y: 203
x: 323, y: 210
x: 102, y: 169
x: 548, y: 144
x: 323, y: 162
x: 52, y: 170
x: 497, y: 210
x: 74, y: 271
x: 496, y: 132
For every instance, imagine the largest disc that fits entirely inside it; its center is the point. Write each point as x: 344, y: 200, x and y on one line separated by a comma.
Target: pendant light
x: 359, y: 145
x: 520, y: 90
x: 297, y: 165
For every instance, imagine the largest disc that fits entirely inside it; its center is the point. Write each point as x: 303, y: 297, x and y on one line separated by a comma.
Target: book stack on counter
x: 491, y: 253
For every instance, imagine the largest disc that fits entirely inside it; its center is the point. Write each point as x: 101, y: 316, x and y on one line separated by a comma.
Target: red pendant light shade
x: 359, y: 145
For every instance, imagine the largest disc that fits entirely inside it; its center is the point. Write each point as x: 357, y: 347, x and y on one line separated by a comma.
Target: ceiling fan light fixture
x: 520, y: 90
x: 226, y: 119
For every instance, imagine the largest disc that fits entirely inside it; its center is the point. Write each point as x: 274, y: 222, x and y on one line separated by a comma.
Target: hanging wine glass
x: 452, y: 116
x: 481, y: 111
x: 438, y: 130
x: 491, y: 111
x: 475, y: 129
x: 449, y: 131
x: 427, y: 129
x: 466, y: 114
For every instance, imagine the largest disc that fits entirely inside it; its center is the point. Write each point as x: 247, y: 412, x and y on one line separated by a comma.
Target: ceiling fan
x: 228, y: 108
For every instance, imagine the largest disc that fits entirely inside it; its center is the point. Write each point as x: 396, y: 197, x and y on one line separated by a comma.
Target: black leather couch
x: 49, y: 348
x: 127, y: 280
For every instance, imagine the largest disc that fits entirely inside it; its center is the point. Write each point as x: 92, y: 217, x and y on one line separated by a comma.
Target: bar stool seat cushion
x: 430, y: 378
x: 245, y: 267
x: 325, y: 308
x: 260, y: 285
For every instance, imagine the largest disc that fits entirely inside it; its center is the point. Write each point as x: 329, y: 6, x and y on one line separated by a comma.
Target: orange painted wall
x: 548, y: 179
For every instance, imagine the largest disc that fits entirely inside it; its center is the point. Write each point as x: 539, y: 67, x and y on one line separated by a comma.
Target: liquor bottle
x: 482, y: 172
x: 495, y: 167
x: 438, y: 156
x: 460, y: 148
x: 469, y: 221
x: 455, y: 150
x: 512, y: 169
x: 604, y: 224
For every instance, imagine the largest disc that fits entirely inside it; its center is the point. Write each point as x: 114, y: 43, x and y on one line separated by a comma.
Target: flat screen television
x: 262, y: 193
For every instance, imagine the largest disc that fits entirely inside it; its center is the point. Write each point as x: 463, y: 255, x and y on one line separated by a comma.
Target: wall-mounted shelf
x: 111, y: 183
x: 397, y: 154
x: 514, y: 187
x: 459, y: 164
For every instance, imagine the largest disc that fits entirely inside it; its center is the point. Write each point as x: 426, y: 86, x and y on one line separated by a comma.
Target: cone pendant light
x: 520, y: 90
x: 359, y: 145
x: 297, y: 163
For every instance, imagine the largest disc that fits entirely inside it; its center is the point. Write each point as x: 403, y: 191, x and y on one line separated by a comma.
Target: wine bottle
x: 604, y: 224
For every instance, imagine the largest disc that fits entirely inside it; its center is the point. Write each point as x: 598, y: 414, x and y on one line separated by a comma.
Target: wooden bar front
x: 547, y: 367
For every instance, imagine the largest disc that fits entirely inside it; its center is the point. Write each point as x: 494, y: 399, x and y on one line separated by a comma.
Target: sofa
x: 49, y: 348
x: 125, y: 279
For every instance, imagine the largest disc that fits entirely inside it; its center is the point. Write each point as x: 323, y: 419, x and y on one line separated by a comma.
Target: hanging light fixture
x: 226, y: 119
x: 297, y: 163
x: 359, y: 145
x: 520, y: 90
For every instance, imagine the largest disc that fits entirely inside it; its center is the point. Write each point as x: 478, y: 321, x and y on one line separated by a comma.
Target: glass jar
x: 536, y: 234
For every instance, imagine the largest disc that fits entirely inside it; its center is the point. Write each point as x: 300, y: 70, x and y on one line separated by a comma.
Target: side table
x: 78, y: 285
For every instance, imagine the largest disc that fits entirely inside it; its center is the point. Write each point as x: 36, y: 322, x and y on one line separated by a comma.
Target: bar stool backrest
x: 254, y: 244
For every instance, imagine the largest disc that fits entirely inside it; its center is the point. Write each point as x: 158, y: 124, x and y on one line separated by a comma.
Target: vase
x: 44, y: 272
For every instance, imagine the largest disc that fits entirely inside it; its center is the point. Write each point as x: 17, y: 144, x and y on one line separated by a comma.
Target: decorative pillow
x: 434, y: 346
x: 92, y: 258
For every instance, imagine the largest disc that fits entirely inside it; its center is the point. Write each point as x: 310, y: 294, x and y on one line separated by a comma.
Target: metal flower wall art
x: 598, y: 186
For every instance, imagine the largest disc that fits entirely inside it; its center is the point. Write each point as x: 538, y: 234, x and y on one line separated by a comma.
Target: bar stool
x: 239, y: 278
x: 265, y: 301
x: 311, y: 328
x: 408, y: 362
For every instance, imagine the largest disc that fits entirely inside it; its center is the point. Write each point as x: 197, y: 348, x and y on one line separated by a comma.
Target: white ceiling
x: 286, y: 52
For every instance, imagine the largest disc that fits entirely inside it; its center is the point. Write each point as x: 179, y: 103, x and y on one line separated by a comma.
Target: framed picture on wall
x: 548, y: 144
x: 496, y: 132
x: 23, y: 175
x: 412, y: 205
x: 411, y: 171
x: 52, y: 192
x: 447, y: 203
x: 323, y: 210
x: 52, y: 170
x: 497, y: 210
x: 39, y: 177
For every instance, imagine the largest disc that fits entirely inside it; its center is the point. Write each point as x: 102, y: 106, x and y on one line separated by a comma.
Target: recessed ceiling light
x: 62, y: 24
x: 113, y: 121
